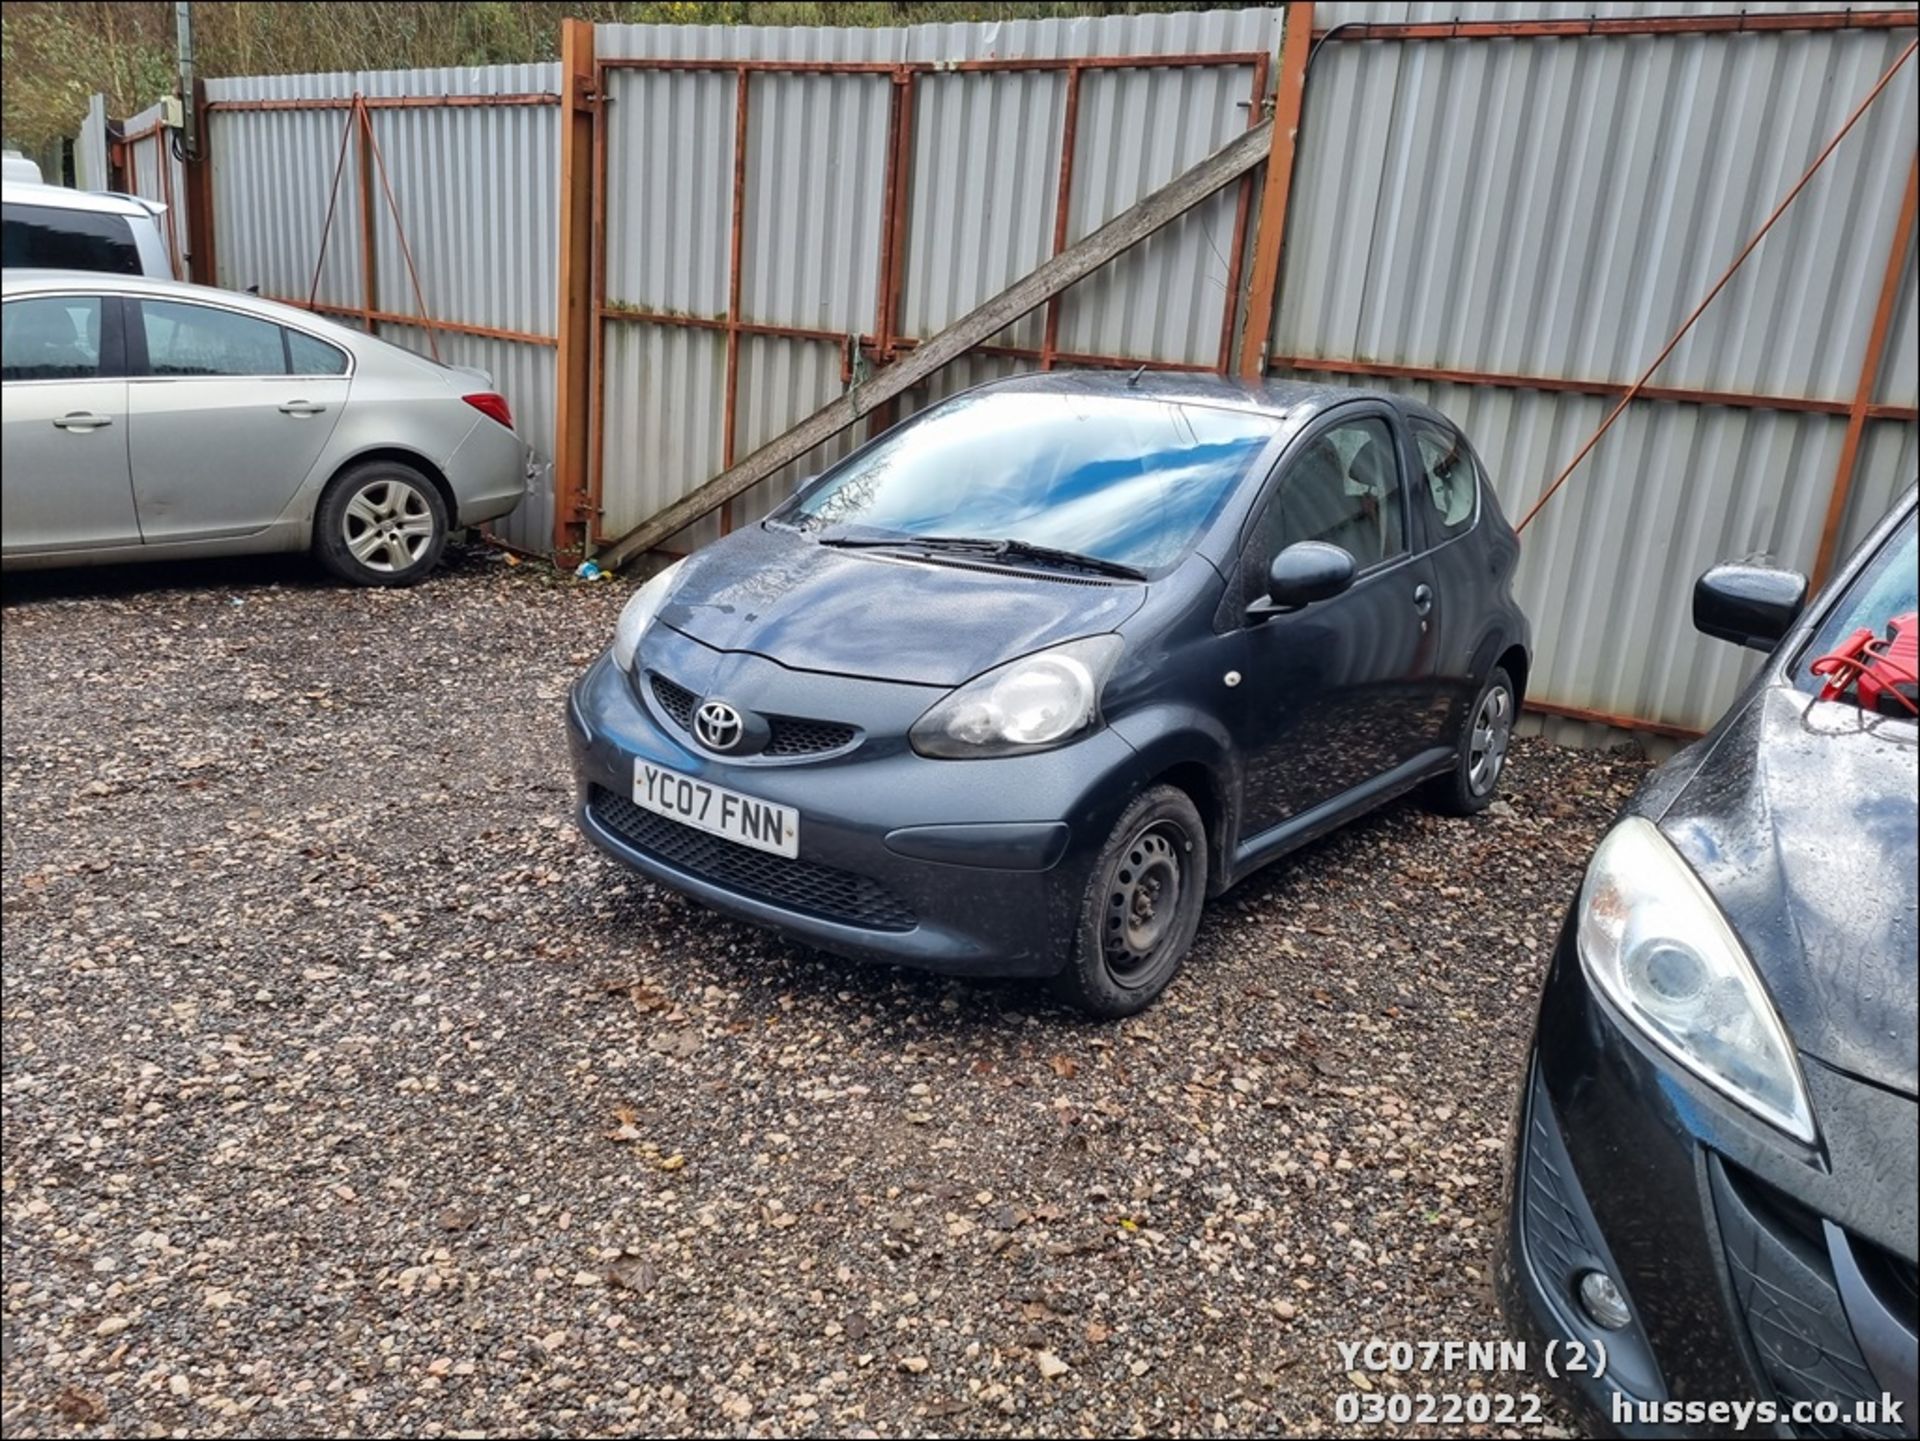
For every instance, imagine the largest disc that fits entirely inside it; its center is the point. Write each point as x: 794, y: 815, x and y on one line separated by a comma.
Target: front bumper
x: 967, y: 867
x: 1756, y: 1268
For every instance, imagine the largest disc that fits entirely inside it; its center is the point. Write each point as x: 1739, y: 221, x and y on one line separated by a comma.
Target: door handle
x: 1423, y: 598
x: 301, y: 407
x: 82, y: 421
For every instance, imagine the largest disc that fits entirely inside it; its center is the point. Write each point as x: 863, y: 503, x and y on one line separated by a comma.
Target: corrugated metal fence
x: 90, y: 147
x: 154, y: 171
x: 1487, y: 222
x: 472, y: 162
x: 1505, y: 222
x: 889, y: 182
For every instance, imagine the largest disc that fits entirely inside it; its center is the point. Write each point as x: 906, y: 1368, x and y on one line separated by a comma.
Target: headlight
x: 1033, y: 703
x: 639, y: 614
x: 1655, y: 944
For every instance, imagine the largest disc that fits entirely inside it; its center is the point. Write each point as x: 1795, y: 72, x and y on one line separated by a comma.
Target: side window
x: 205, y: 340
x: 1344, y: 489
x: 308, y: 356
x: 1448, y: 479
x: 56, y: 337
x: 51, y: 237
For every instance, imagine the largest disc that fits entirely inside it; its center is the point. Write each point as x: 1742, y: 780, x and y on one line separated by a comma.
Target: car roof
x: 1277, y: 398
x: 26, y: 281
x: 61, y: 197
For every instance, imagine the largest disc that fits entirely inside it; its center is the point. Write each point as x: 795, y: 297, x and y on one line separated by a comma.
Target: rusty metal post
x: 370, y: 286
x: 1269, y: 239
x: 893, y: 234
x: 1062, y: 203
x: 1869, y: 380
x: 1237, y: 255
x: 198, y: 170
x: 575, y: 374
x: 902, y: 212
x: 730, y: 405
x: 597, y: 429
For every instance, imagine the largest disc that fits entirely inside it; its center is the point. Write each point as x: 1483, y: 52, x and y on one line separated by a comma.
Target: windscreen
x: 1123, y: 479
x: 1881, y: 603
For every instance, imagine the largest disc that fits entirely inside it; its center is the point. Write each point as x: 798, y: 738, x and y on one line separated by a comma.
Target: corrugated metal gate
x: 1510, y: 226
x: 153, y: 170
x: 880, y: 184
x: 471, y: 160
x: 1498, y: 207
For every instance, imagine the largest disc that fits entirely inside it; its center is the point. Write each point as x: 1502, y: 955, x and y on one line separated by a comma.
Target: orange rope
x: 406, y: 251
x: 333, y: 197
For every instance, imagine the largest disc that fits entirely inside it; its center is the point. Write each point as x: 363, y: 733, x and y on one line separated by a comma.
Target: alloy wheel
x: 388, y: 525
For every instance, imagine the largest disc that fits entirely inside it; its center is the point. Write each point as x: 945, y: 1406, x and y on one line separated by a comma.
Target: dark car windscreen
x: 1888, y: 588
x: 1127, y: 480
x: 50, y: 237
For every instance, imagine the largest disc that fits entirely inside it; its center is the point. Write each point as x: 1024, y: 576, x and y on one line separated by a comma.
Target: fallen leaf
x: 1065, y: 1067
x: 83, y: 1408
x: 633, y: 1275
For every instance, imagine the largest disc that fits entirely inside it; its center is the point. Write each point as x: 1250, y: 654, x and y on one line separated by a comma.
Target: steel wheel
x: 387, y: 525
x: 1143, y: 902
x: 1487, y: 746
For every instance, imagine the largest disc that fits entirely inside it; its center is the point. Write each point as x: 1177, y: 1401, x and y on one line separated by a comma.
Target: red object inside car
x: 1879, y: 669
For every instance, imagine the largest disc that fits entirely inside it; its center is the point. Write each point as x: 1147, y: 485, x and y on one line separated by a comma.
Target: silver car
x: 149, y: 420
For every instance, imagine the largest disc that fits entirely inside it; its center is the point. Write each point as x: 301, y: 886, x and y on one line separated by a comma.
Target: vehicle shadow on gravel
x: 233, y: 574
x: 755, y: 960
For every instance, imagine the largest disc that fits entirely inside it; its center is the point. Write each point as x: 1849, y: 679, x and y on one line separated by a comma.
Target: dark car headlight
x: 1034, y: 703
x: 1654, y: 943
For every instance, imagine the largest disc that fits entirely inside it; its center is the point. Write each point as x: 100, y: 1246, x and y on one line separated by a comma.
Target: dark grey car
x: 1013, y: 688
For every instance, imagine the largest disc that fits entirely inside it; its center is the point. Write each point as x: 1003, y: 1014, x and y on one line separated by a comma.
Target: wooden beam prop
x: 1032, y: 290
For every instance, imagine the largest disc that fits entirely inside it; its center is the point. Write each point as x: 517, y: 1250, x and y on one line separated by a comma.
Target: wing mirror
x: 1748, y: 603
x: 1306, y: 571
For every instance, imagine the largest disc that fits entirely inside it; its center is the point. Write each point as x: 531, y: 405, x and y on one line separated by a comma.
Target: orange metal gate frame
x: 577, y: 517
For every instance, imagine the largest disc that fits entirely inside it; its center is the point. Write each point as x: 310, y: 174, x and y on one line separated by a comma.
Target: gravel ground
x: 347, y: 1090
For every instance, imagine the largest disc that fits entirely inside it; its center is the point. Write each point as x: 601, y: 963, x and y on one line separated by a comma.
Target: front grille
x: 1783, y: 1278
x: 817, y: 890
x: 792, y: 735
x: 676, y: 700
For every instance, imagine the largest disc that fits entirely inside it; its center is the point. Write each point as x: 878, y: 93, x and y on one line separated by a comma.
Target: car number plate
x: 742, y: 819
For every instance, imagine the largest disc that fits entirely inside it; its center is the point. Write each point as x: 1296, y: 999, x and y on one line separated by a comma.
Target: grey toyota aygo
x: 1015, y: 687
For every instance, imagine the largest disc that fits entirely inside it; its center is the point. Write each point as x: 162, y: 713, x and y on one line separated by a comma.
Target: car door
x: 222, y: 433
x: 1339, y: 692
x: 1446, y: 504
x: 64, y: 477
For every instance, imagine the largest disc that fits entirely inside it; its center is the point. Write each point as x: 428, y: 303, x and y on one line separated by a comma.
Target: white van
x: 49, y: 227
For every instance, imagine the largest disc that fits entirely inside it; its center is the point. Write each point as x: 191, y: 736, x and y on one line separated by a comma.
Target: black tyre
x: 1141, y: 908
x: 380, y: 523
x: 1480, y: 755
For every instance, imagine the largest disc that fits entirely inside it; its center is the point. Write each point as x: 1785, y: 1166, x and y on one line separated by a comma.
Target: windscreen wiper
x: 853, y: 537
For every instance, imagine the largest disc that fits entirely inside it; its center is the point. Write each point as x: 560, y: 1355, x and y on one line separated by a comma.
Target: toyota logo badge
x: 718, y: 725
